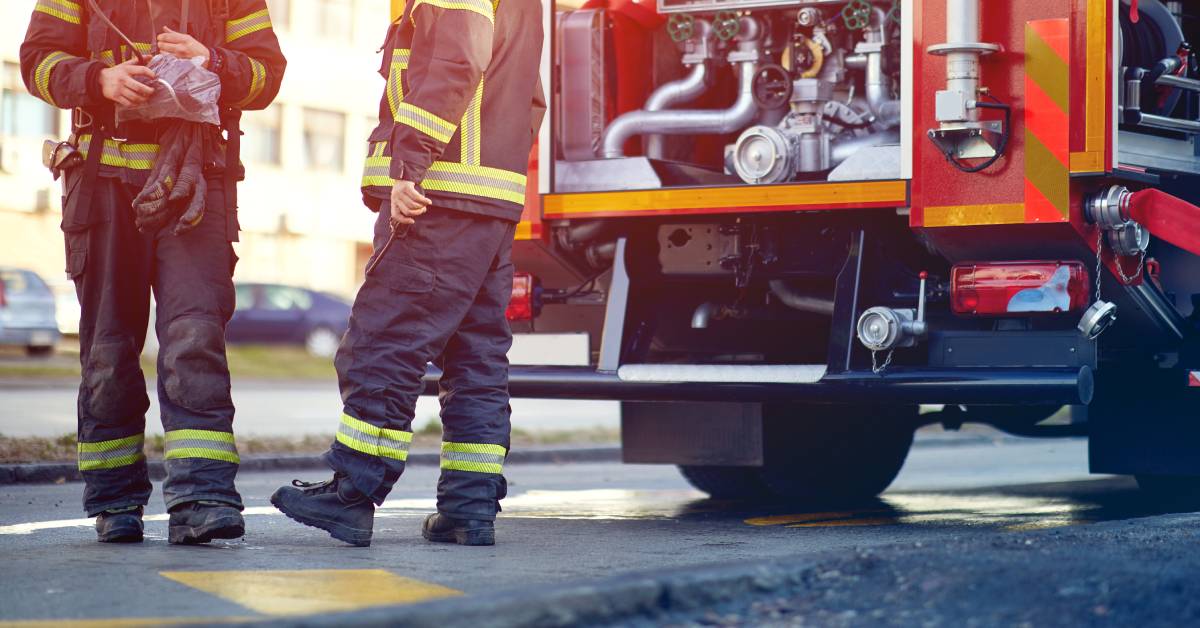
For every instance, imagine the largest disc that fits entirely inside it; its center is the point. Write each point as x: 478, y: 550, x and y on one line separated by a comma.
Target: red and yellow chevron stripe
x: 1047, y: 121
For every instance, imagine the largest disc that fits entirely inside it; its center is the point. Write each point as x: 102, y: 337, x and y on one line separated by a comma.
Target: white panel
x: 549, y: 350
x: 723, y: 373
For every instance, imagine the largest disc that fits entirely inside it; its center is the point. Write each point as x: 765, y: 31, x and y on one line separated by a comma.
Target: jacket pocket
x: 77, y: 253
x: 400, y: 276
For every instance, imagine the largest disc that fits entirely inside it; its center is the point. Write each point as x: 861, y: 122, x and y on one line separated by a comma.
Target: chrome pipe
x: 678, y: 92
x: 686, y: 121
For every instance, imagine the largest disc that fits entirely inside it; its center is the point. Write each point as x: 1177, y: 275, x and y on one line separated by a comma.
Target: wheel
x: 741, y: 483
x: 1171, y: 491
x: 39, y: 351
x: 322, y: 342
x: 834, y: 454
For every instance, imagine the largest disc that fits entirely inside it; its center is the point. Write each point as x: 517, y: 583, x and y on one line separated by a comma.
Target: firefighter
x: 446, y: 172
x: 75, y: 59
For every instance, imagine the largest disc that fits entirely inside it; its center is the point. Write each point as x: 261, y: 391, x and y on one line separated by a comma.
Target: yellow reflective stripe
x: 110, y: 463
x: 480, y: 171
x: 122, y: 155
x: 425, y: 122
x: 395, y: 83
x: 62, y: 9
x: 41, y: 76
x: 110, y: 454
x: 372, y: 440
x: 472, y: 128
x: 257, y: 21
x: 475, y: 448
x: 208, y: 444
x: 110, y: 445
x: 475, y: 457
x: 107, y: 56
x: 258, y: 81
x: 221, y: 437
x: 482, y: 7
x: 202, y: 452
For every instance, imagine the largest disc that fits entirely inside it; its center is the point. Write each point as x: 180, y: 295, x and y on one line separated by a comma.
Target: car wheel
x: 738, y: 483
x: 39, y: 351
x: 322, y: 342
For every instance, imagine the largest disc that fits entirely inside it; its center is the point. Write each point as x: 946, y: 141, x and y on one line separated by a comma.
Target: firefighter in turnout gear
x: 84, y: 55
x: 446, y: 171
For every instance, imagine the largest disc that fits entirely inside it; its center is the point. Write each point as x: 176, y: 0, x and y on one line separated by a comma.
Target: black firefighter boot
x: 334, y: 506
x: 193, y: 523
x: 120, y: 525
x: 442, y: 529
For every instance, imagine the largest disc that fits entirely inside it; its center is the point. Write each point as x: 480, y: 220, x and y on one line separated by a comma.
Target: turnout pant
x: 438, y: 295
x: 115, y: 268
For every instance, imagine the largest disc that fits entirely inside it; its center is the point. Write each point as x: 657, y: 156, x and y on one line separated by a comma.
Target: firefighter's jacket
x: 66, y: 47
x: 462, y: 104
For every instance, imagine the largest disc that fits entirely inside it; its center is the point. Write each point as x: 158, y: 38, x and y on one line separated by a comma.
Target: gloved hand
x: 174, y: 194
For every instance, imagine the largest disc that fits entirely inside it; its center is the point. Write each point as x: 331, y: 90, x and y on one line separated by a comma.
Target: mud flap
x: 1145, y: 424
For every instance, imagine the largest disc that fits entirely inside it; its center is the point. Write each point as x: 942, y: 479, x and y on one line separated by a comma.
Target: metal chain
x: 1099, y: 260
x: 875, y: 367
x: 1121, y: 270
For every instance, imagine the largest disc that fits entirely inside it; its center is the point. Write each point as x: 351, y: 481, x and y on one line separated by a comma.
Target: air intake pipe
x: 1168, y: 217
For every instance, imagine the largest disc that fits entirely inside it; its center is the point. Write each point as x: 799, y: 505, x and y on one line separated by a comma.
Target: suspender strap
x: 233, y: 148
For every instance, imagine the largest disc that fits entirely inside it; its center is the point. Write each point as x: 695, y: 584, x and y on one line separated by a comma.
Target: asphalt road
x: 275, y: 408
x: 561, y: 523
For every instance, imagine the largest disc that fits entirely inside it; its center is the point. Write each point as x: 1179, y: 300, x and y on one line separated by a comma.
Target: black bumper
x: 972, y: 386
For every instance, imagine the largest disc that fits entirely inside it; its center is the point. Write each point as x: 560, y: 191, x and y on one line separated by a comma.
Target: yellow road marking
x: 848, y: 523
x: 779, y: 520
x: 309, y: 591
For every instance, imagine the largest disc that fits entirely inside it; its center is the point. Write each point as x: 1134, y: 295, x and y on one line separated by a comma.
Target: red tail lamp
x: 1017, y: 288
x: 526, y: 302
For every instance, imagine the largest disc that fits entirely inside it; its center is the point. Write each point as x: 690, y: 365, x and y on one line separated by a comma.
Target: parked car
x: 277, y: 314
x: 27, y: 312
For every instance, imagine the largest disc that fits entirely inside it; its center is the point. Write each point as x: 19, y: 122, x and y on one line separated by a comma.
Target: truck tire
x: 1176, y: 492
x: 820, y: 455
x: 740, y: 483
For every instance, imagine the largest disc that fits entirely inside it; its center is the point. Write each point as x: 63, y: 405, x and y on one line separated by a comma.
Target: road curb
x: 60, y: 472
x: 616, y: 600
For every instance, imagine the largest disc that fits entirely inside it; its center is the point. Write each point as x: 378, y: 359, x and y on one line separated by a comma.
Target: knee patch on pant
x: 113, y: 383
x: 195, y: 373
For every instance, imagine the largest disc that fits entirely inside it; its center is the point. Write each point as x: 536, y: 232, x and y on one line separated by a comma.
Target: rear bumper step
x: 1007, y: 386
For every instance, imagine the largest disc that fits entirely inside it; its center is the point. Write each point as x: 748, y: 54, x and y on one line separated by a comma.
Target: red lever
x: 1133, y: 12
x: 1172, y: 219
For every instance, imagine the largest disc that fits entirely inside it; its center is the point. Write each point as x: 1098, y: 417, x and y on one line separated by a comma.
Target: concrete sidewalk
x: 275, y: 408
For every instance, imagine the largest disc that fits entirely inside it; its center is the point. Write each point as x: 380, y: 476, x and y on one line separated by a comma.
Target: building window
x: 324, y: 139
x: 263, y: 134
x: 281, y: 13
x: 334, y: 19
x: 22, y: 114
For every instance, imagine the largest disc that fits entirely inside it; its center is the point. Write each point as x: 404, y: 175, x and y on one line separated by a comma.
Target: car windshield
x: 21, y: 282
x: 286, y: 298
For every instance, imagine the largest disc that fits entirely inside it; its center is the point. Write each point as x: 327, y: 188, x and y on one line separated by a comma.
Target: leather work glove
x: 174, y: 194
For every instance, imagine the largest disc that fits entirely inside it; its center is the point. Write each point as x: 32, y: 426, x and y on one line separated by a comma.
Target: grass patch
x: 245, y: 361
x: 427, y: 437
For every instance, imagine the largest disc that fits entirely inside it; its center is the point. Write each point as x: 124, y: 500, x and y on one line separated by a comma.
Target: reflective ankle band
x: 373, y: 441
x: 111, y: 454
x: 476, y: 457
x: 200, y: 444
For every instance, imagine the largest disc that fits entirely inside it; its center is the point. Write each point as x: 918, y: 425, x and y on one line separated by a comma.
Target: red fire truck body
x: 787, y: 225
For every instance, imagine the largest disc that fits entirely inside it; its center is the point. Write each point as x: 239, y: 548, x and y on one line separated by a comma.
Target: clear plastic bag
x: 183, y: 90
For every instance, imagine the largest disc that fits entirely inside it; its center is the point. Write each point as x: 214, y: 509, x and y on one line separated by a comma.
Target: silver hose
x: 678, y: 92
x: 686, y: 121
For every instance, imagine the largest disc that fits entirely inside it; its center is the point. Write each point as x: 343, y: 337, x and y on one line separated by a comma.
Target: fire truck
x: 796, y: 230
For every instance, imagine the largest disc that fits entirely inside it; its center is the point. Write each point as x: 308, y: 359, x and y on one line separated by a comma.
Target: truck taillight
x: 526, y: 301
x: 1001, y: 288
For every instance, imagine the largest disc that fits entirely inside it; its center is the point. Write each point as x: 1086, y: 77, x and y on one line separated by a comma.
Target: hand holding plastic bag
x: 183, y: 90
